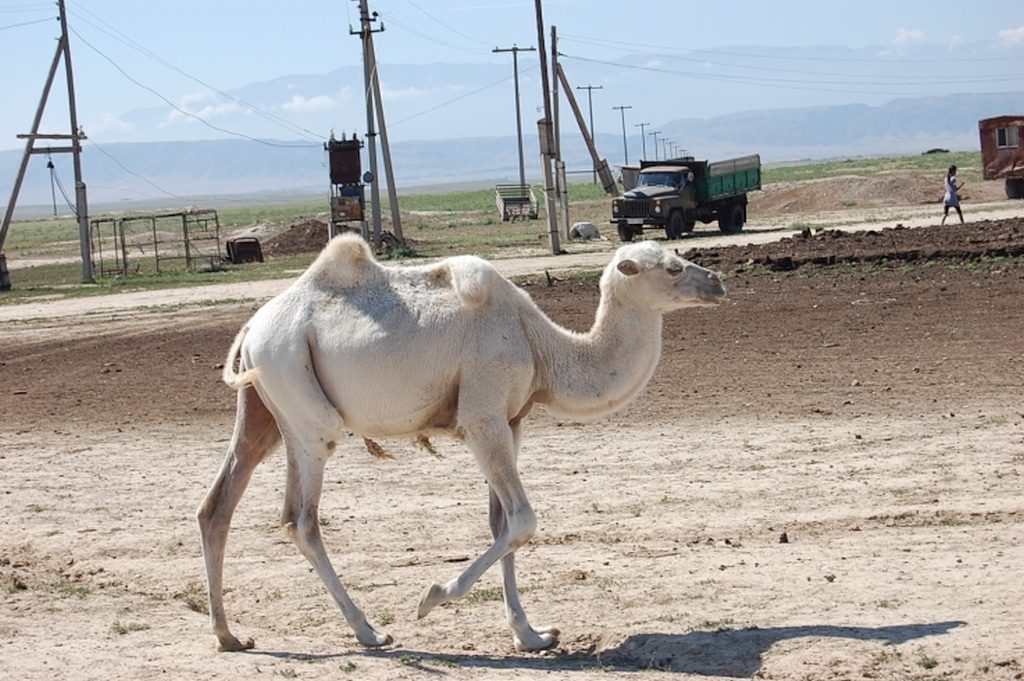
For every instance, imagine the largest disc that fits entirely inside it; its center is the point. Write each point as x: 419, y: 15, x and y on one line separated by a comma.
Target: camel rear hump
x: 473, y: 279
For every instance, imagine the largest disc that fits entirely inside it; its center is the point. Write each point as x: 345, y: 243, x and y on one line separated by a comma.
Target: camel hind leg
x: 255, y: 436
x: 300, y: 518
x: 311, y: 426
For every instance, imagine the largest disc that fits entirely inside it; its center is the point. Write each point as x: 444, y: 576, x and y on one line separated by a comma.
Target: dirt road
x: 823, y: 481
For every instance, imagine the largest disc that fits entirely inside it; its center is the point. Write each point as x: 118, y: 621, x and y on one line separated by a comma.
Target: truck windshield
x: 658, y: 180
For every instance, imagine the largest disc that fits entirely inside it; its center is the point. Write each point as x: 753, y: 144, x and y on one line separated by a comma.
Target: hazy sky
x: 230, y: 43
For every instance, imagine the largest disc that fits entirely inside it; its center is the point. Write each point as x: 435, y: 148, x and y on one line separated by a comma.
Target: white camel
x: 450, y: 347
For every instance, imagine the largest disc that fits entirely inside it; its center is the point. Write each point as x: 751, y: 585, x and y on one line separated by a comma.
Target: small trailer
x: 1002, y: 152
x: 515, y: 202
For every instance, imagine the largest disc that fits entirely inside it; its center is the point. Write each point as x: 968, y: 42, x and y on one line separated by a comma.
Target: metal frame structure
x: 195, y: 230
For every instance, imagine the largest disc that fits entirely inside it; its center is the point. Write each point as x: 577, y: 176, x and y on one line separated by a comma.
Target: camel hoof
x: 376, y: 640
x: 433, y: 596
x: 537, y: 639
x: 230, y: 644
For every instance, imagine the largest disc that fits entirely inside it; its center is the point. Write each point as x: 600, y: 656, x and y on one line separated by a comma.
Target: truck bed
x: 731, y: 177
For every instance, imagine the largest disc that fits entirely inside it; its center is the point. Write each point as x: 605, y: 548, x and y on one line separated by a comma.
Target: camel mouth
x: 715, y: 298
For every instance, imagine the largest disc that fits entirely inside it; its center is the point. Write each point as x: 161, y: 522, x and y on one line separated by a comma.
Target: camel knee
x: 521, y: 526
x: 203, y: 515
x: 206, y: 518
x: 302, y: 528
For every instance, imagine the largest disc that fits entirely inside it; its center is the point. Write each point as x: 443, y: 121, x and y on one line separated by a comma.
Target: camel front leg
x: 524, y: 636
x: 492, y: 443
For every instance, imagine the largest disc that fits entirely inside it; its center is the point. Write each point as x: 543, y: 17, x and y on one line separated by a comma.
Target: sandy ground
x: 873, y: 419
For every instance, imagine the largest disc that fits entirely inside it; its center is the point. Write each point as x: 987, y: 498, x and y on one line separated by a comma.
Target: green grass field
x: 434, y: 224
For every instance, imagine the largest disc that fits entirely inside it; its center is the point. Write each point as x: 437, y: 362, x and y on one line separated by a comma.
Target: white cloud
x: 1013, y: 36
x: 109, y: 123
x: 908, y: 36
x: 206, y: 113
x: 954, y: 41
x: 194, y: 98
x: 403, y: 93
x: 315, y: 103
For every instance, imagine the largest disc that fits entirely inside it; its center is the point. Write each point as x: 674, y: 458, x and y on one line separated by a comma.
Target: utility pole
x: 655, y: 134
x: 544, y: 133
x: 664, y: 148
x: 625, y: 149
x: 561, y: 183
x: 605, y: 175
x: 519, y: 120
x: 389, y: 175
x: 365, y: 33
x: 590, y: 107
x: 643, y: 139
x: 81, y: 205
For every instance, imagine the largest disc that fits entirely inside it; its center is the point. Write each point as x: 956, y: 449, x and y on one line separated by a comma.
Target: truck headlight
x: 615, y: 209
x: 657, y: 207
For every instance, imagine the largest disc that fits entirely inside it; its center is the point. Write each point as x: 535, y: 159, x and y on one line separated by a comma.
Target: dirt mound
x: 311, y: 236
x: 839, y: 193
x: 304, y: 237
x: 987, y: 238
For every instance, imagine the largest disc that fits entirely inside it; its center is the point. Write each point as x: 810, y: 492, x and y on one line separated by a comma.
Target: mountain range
x: 178, y: 173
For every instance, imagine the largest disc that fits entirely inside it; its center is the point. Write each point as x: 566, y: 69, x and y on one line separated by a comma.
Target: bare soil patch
x: 869, y: 412
x: 893, y: 245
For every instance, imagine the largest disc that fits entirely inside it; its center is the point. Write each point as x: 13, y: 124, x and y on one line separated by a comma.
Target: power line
x: 64, y: 193
x: 133, y: 173
x: 25, y: 9
x: 751, y: 55
x: 184, y: 111
x: 785, y: 83
x: 26, y: 23
x: 151, y: 183
x: 450, y: 28
x: 121, y: 37
x: 769, y: 69
x: 459, y: 98
x: 391, y: 18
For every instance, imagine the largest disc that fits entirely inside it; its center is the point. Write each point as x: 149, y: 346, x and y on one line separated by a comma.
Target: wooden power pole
x: 546, y: 134
x: 375, y: 112
x: 75, y: 137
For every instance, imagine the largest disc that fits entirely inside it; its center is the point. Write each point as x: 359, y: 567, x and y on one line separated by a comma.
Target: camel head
x: 646, y: 275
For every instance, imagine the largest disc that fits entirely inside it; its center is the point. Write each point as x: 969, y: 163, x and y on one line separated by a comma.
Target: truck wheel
x: 1015, y: 187
x: 676, y: 225
x: 625, y: 232
x: 730, y: 220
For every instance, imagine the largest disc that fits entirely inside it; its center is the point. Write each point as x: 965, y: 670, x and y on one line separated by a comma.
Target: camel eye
x: 674, y: 270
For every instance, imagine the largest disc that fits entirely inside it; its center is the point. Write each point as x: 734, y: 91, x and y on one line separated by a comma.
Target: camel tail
x: 237, y: 379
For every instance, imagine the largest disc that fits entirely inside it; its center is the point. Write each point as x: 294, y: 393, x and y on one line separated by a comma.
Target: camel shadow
x: 738, y: 653
x: 734, y: 653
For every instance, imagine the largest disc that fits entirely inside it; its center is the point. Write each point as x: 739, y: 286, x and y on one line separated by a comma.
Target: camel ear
x: 629, y: 267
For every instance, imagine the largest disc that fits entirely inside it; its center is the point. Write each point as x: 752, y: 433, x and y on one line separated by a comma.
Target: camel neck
x: 595, y: 373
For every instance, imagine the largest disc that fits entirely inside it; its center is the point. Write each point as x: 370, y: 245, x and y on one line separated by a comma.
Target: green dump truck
x: 674, y: 194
